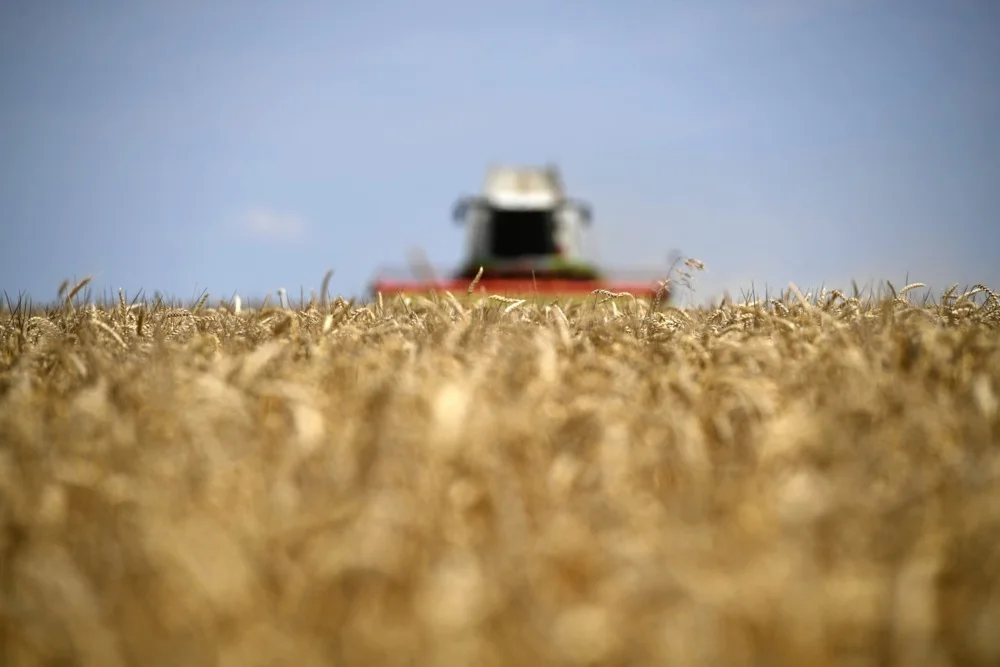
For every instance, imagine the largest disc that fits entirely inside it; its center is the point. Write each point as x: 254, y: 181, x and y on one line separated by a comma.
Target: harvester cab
x: 523, y: 225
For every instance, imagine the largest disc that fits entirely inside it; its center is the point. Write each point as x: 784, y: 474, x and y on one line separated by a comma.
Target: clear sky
x: 245, y: 146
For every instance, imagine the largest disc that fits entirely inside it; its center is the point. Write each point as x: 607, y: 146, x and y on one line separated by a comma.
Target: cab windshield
x: 521, y: 233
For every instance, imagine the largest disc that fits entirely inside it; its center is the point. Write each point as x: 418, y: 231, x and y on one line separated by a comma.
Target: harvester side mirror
x: 462, y: 206
x: 583, y: 209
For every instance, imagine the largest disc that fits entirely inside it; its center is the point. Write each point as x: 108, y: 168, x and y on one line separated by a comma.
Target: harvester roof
x: 515, y: 187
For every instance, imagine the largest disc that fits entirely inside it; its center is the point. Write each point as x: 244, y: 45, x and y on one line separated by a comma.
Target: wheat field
x: 809, y: 479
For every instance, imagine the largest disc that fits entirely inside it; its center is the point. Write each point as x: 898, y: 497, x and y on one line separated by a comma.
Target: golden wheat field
x: 812, y: 479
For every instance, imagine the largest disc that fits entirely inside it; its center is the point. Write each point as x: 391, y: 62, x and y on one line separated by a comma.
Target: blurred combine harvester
x: 525, y: 234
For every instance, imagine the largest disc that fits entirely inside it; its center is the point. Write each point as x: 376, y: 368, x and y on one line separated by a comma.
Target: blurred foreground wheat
x: 809, y: 480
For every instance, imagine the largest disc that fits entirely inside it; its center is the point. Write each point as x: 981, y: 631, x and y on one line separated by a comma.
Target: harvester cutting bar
x: 638, y: 284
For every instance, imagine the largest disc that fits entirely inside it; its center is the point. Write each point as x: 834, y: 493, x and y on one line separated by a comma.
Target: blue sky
x: 245, y: 146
